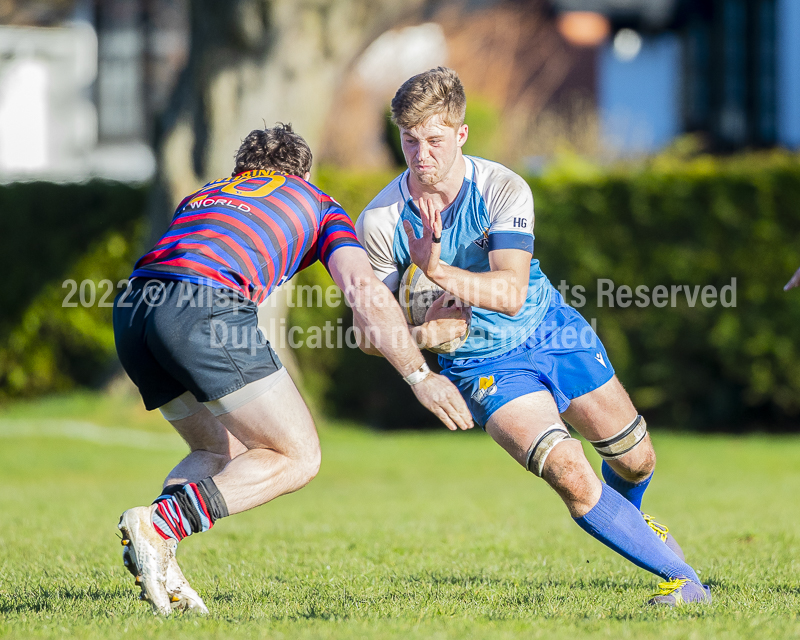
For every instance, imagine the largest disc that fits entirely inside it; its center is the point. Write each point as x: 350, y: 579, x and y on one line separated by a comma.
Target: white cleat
x: 182, y: 596
x: 150, y: 556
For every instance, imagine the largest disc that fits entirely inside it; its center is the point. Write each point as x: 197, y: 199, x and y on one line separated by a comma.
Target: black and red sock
x: 188, y: 508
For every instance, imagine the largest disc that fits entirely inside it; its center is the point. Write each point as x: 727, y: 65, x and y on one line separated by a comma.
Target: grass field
x: 400, y: 536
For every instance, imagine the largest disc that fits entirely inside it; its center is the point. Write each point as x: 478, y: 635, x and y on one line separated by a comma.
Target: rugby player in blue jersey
x: 529, y: 358
x: 187, y: 334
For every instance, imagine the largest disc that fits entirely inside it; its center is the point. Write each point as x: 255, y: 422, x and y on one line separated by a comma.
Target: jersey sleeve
x: 336, y: 230
x: 511, y: 216
x: 376, y: 233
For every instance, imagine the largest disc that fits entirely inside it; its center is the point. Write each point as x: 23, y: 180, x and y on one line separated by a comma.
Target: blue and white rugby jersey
x: 493, y: 210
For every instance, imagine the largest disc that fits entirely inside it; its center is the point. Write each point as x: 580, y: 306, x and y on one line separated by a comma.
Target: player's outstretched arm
x: 794, y: 282
x: 503, y: 289
x: 376, y: 312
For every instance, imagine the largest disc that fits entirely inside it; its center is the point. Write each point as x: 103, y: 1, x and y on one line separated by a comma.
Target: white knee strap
x: 619, y: 444
x: 542, y: 447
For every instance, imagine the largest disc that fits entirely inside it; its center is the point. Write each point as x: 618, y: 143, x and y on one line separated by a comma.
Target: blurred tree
x: 252, y: 63
x: 530, y: 93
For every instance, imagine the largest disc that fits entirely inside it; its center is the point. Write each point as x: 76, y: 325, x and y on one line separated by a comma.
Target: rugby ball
x: 417, y: 294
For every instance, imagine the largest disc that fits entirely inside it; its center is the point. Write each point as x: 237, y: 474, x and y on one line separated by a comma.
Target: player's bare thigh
x: 283, y: 448
x: 603, y: 413
x: 204, y: 432
x: 211, y: 445
x: 269, y: 415
x: 516, y: 425
x: 278, y: 419
x: 273, y: 416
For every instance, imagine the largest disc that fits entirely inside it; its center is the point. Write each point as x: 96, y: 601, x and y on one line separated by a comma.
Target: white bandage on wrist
x: 419, y: 375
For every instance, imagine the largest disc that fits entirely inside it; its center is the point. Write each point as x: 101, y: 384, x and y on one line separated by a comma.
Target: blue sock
x: 633, y: 493
x: 618, y: 524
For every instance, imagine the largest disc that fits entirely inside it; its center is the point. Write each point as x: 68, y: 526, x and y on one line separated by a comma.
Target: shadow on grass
x: 438, y: 595
x: 53, y: 598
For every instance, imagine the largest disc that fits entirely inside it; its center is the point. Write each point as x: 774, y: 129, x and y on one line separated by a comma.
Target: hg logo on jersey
x: 486, y: 387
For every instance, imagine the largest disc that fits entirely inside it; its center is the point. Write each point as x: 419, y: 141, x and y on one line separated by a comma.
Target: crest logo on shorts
x: 486, y: 387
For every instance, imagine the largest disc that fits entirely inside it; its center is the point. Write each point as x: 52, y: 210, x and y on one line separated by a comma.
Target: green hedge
x: 673, y: 221
x: 678, y: 221
x: 49, y: 234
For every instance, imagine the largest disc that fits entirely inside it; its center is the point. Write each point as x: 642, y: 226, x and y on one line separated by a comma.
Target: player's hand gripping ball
x: 417, y: 295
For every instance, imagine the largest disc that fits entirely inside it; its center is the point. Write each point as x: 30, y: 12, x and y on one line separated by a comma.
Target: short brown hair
x: 435, y: 92
x: 278, y: 148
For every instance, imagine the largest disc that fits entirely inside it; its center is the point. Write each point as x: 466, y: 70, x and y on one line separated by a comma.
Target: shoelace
x: 670, y: 587
x: 660, y: 530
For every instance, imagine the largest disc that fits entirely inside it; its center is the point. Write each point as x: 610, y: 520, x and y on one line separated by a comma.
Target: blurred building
x: 603, y: 78
x: 726, y: 69
x: 529, y: 89
x: 81, y: 82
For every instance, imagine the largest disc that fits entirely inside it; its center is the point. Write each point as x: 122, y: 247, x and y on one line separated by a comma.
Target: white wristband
x: 419, y: 375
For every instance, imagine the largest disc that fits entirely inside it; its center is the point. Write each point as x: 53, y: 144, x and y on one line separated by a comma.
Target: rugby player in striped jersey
x: 187, y: 334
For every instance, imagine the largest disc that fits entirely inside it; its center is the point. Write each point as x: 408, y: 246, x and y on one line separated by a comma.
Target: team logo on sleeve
x: 483, y: 241
x: 486, y: 387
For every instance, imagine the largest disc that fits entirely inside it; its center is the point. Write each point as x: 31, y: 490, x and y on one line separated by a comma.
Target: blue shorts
x: 564, y: 356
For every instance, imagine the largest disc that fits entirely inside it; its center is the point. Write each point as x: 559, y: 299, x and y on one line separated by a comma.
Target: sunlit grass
x: 400, y: 536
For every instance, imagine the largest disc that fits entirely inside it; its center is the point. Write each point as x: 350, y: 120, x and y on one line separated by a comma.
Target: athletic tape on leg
x: 183, y: 406
x: 619, y: 444
x: 246, y: 394
x: 542, y: 447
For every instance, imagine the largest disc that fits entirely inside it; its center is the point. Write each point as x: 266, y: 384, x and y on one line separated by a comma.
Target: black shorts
x: 174, y: 336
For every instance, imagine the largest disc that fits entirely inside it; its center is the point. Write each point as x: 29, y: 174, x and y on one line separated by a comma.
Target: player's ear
x: 307, y: 176
x: 462, y: 134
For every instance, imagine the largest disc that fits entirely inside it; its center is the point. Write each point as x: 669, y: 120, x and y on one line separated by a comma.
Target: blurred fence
x: 653, y: 240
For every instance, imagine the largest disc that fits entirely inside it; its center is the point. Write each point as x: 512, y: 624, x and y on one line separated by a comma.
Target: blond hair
x: 435, y: 92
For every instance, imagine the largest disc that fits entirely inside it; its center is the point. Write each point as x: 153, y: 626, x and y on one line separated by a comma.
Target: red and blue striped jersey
x: 249, y: 233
